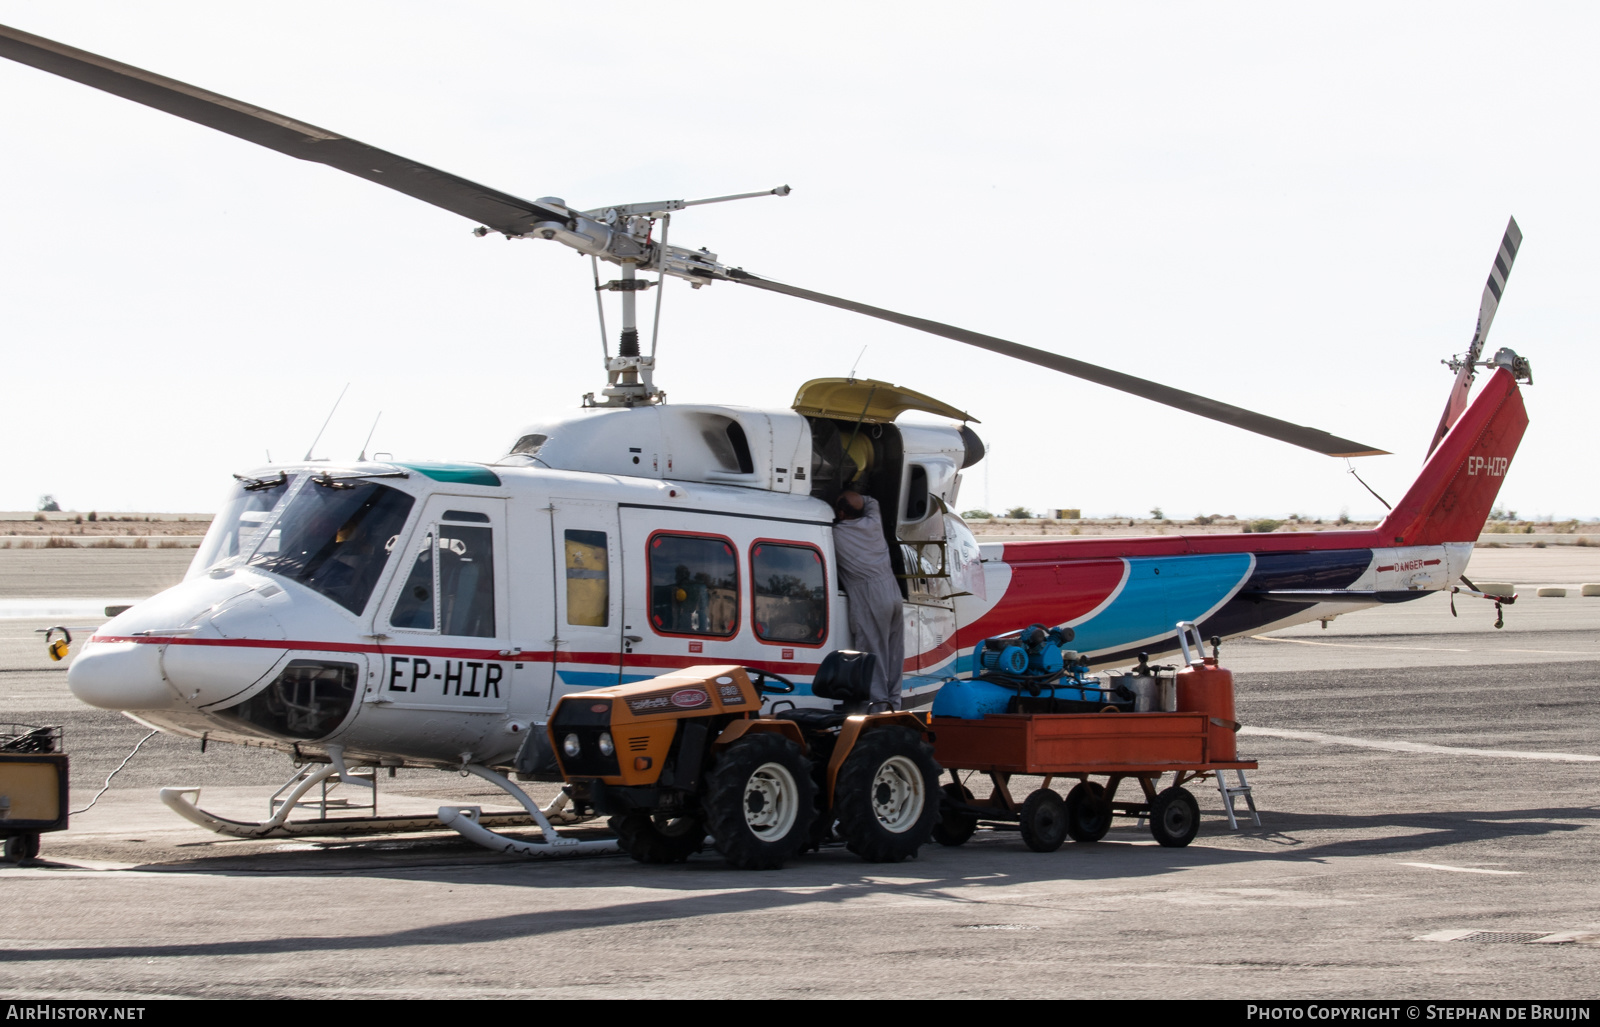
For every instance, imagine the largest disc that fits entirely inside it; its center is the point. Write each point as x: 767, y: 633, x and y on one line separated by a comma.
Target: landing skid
x: 468, y: 822
x: 184, y: 802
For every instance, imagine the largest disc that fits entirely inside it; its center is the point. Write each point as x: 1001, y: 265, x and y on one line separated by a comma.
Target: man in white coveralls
x: 877, y: 623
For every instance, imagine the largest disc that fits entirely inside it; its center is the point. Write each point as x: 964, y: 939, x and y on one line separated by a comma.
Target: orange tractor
x: 690, y: 754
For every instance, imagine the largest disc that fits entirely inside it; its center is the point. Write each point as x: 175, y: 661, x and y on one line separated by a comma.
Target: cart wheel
x: 21, y: 846
x: 1043, y: 819
x: 1175, y: 818
x: 659, y: 838
x: 954, y: 828
x: 1088, y: 812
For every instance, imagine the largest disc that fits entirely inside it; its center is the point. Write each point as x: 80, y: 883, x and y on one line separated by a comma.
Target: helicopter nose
x: 120, y: 676
x: 193, y: 645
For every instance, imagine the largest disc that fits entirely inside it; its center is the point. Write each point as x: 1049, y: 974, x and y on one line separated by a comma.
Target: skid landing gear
x: 467, y: 822
x: 297, y: 795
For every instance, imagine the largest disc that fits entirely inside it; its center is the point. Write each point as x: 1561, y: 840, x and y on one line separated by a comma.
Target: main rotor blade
x: 1461, y: 390
x: 499, y: 211
x: 1249, y: 420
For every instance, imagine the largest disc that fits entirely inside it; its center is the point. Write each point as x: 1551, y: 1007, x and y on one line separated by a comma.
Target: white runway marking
x: 1399, y: 746
x: 29, y: 609
x: 1353, y: 645
x: 1425, y: 648
x: 1461, y: 870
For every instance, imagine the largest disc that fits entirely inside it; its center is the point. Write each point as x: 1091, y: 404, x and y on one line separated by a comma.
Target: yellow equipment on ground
x: 690, y: 754
x: 33, y: 787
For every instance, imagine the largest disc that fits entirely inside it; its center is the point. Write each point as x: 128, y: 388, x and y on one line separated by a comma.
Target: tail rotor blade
x: 1461, y: 389
x: 1284, y: 431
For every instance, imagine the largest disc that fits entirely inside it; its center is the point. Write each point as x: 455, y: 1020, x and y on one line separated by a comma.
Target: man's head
x: 849, y: 506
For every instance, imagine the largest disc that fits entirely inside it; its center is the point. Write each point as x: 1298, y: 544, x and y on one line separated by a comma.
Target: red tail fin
x: 1452, y: 497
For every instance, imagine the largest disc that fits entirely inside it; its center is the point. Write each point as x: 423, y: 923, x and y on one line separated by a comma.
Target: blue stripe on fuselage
x: 1159, y: 592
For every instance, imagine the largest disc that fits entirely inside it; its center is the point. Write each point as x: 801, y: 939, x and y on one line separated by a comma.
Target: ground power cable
x: 114, y: 773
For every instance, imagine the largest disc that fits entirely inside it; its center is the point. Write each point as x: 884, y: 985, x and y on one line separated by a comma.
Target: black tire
x: 760, y: 801
x: 1088, y: 812
x: 1043, y: 819
x: 659, y: 838
x: 886, y: 796
x: 955, y: 827
x: 1175, y: 818
x: 21, y: 847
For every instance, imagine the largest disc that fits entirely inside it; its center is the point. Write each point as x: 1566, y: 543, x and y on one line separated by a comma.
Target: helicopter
x: 384, y: 613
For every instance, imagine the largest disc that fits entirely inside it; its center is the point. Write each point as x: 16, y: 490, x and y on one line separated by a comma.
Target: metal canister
x: 1167, y: 690
x: 1146, y: 690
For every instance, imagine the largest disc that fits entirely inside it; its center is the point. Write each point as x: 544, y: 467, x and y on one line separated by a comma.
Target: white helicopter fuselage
x: 435, y: 618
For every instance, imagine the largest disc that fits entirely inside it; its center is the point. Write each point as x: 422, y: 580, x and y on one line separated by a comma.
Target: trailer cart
x: 1113, y: 746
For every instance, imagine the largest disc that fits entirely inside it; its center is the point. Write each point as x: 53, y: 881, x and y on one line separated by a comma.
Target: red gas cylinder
x: 1204, y: 687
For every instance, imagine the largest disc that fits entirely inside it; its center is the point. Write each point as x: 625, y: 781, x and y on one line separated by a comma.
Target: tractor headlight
x: 569, y: 745
x: 607, y: 747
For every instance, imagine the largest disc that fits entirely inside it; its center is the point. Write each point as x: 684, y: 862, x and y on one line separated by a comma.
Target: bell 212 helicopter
x: 388, y: 613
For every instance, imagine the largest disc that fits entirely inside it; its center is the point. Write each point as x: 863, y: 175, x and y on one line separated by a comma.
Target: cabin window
x: 588, y: 579
x: 694, y: 585
x: 791, y: 593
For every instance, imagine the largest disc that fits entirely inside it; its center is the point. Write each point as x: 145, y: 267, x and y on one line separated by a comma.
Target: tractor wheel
x: 1043, y: 819
x: 760, y: 801
x: 954, y: 828
x: 1088, y: 812
x: 1175, y: 818
x: 885, y: 795
x: 659, y: 838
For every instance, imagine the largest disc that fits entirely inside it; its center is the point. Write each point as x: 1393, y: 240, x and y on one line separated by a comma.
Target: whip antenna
x: 363, y: 457
x: 330, y: 418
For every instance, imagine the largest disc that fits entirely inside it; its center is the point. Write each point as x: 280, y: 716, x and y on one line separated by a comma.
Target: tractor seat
x: 811, y: 719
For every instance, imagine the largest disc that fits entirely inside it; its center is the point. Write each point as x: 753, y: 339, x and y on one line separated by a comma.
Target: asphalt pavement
x: 1429, y: 807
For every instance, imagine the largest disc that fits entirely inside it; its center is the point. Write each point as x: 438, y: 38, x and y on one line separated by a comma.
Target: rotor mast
x: 625, y: 235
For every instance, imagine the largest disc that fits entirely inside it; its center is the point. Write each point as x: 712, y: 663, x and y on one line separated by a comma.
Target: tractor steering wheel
x: 761, y: 683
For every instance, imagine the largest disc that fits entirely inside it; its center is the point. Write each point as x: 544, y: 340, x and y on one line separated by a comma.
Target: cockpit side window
x: 415, y: 607
x: 336, y: 539
x: 450, y: 588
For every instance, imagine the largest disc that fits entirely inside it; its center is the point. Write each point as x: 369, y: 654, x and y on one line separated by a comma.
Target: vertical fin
x: 1452, y: 497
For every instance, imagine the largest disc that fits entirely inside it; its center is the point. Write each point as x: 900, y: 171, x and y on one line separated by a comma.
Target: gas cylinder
x: 1204, y: 687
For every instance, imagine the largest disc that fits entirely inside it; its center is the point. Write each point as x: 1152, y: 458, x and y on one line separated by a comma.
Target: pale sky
x: 1290, y: 209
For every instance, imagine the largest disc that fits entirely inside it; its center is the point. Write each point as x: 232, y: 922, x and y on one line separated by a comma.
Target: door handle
x: 633, y: 639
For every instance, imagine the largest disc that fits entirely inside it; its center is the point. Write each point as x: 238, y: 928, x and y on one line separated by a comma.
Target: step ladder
x: 1230, y: 792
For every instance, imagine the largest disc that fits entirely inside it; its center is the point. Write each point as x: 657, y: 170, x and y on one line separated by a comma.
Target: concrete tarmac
x: 1486, y: 823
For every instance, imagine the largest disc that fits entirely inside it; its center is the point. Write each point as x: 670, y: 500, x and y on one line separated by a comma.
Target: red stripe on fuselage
x: 1045, y: 589
x: 603, y: 659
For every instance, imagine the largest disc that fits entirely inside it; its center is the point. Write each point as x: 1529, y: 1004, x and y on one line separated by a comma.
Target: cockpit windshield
x: 235, y: 529
x: 335, y: 537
